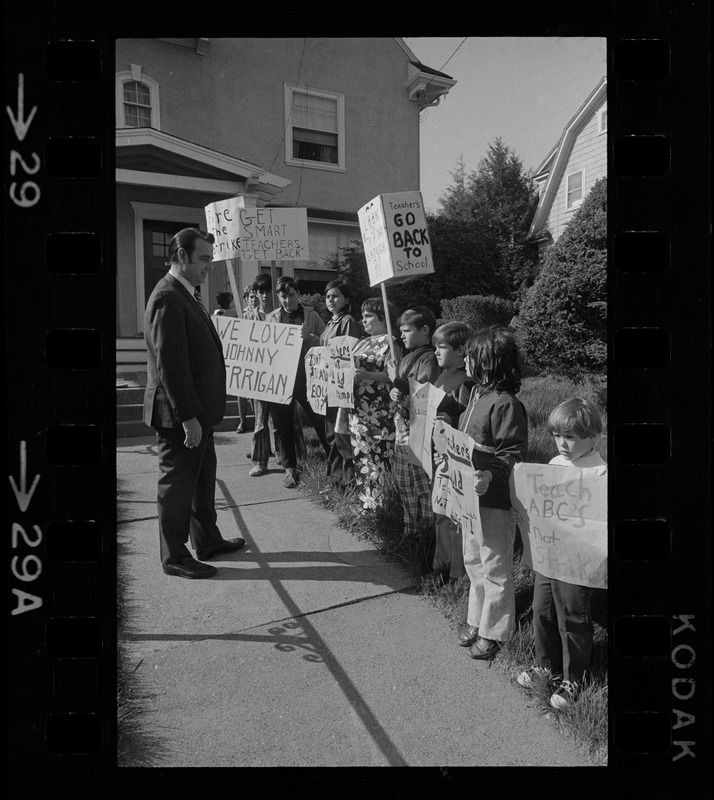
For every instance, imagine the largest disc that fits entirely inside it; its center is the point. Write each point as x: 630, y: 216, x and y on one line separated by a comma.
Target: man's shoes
x: 292, y: 478
x: 468, y: 636
x: 226, y: 546
x: 257, y: 470
x: 484, y: 649
x: 242, y: 428
x: 190, y: 568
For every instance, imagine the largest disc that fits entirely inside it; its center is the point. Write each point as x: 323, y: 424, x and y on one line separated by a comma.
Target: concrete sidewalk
x: 308, y: 647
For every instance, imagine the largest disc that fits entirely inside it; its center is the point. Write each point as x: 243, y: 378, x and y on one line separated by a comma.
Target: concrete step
x: 129, y: 396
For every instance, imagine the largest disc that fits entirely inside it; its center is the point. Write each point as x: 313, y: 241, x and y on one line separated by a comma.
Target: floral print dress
x: 371, y: 423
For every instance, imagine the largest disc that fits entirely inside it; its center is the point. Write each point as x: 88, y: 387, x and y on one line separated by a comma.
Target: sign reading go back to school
x: 261, y: 357
x: 395, y: 237
x: 564, y: 521
x: 257, y: 234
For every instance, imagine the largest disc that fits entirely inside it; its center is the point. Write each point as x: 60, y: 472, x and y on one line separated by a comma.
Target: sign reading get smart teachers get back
x: 257, y: 234
x: 396, y: 238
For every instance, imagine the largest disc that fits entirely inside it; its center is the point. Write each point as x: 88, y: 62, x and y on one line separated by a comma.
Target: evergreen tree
x: 562, y: 323
x: 490, y: 211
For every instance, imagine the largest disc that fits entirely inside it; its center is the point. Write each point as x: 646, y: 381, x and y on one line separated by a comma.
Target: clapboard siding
x: 589, y: 153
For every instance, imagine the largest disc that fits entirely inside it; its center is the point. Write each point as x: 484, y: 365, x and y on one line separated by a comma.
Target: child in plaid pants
x: 417, y: 327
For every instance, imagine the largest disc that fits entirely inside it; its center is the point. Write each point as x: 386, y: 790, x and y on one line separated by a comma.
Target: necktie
x: 197, y: 295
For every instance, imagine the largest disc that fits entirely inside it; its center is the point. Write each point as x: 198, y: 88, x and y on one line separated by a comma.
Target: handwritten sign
x: 564, y: 521
x: 222, y: 222
x: 340, y: 391
x: 261, y: 357
x: 273, y: 234
x: 257, y: 234
x: 424, y: 399
x: 454, y: 491
x: 317, y: 369
x: 395, y: 237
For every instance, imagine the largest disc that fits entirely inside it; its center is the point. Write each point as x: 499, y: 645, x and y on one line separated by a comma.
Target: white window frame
x: 135, y: 74
x: 600, y: 114
x: 290, y: 90
x: 577, y: 203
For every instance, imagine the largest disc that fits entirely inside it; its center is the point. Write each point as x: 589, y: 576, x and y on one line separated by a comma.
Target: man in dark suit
x: 185, y: 398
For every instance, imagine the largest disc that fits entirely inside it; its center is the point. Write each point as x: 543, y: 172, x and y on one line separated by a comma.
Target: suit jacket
x: 186, y: 373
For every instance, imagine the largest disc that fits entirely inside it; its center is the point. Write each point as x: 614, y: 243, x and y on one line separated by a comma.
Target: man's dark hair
x: 186, y: 238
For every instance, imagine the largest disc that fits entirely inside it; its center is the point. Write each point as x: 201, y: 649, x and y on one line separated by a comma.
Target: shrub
x: 562, y: 324
x: 316, y: 302
x: 477, y: 310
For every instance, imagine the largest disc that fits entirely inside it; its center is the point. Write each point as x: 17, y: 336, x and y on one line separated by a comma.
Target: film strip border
x: 60, y: 279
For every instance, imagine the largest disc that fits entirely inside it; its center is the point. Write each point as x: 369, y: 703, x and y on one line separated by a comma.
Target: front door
x: 157, y: 238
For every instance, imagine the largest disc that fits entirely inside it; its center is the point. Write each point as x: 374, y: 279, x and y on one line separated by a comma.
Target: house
x: 322, y: 124
x: 570, y: 169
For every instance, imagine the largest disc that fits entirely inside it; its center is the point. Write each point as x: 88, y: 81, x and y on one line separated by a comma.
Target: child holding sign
x: 496, y: 420
x: 291, y: 311
x: 450, y: 342
x: 417, y: 326
x: 562, y: 621
x: 371, y: 422
x: 340, y: 464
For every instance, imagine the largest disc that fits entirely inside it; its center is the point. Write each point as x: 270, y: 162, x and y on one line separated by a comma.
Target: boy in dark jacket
x: 417, y: 327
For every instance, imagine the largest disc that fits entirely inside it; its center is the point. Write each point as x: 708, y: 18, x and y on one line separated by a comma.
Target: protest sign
x: 395, y: 237
x: 424, y: 399
x: 273, y: 234
x: 261, y: 357
x: 317, y: 369
x: 564, y: 521
x: 222, y: 222
x: 454, y: 491
x: 257, y: 234
x: 340, y: 392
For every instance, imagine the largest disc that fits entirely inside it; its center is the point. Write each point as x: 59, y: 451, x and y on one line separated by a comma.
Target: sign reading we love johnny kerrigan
x: 564, y: 521
x: 261, y: 357
x: 395, y: 237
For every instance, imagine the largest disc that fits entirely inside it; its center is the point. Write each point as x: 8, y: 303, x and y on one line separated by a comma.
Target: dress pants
x: 489, y: 565
x: 186, y: 494
x: 563, y: 627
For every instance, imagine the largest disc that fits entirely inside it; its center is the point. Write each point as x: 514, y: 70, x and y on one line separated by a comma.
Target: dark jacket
x: 186, y: 373
x: 497, y: 422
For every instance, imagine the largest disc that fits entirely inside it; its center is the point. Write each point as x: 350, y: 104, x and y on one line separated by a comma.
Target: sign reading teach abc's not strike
x: 395, y: 237
x: 257, y: 234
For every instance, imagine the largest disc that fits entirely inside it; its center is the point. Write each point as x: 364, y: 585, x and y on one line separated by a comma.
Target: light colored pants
x: 492, y: 598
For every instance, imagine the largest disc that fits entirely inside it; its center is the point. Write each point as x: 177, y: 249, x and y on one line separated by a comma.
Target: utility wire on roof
x: 446, y: 62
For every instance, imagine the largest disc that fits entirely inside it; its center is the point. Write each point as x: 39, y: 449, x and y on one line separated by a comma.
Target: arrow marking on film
x: 18, y: 122
x: 22, y: 496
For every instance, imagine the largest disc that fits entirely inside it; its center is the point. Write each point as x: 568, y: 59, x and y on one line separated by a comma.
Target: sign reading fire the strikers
x: 563, y: 521
x: 257, y: 234
x: 396, y: 238
x: 261, y: 357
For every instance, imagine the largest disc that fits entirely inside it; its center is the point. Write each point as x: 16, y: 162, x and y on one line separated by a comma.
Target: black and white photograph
x: 355, y: 290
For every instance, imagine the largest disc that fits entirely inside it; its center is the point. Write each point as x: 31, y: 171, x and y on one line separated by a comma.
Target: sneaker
x: 257, y: 470
x: 291, y: 478
x: 528, y: 676
x: 565, y: 694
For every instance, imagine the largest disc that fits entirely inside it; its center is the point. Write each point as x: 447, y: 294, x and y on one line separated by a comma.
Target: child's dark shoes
x: 484, y: 649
